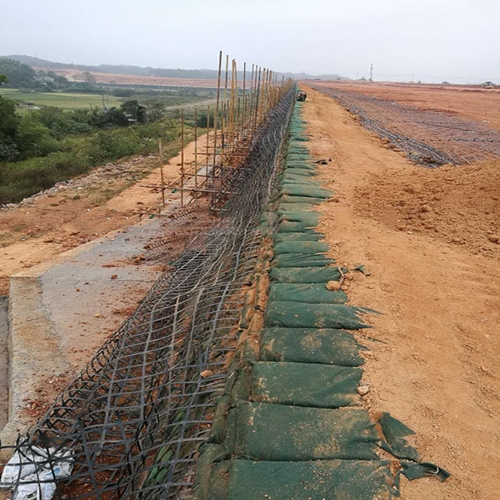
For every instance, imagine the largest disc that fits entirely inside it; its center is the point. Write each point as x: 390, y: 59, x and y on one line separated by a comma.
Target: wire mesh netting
x: 430, y: 137
x: 131, y: 423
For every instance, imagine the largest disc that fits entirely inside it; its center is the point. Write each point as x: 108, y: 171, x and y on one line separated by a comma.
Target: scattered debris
x: 333, y: 286
x: 363, y: 390
x: 33, y: 482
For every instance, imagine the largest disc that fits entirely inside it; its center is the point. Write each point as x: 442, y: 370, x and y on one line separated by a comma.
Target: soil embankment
x: 61, y: 219
x: 435, y: 276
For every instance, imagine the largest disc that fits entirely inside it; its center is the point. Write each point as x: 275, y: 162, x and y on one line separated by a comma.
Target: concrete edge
x: 30, y: 327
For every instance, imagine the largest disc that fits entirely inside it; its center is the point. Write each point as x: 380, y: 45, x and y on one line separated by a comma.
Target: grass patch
x: 80, y: 154
x: 59, y: 99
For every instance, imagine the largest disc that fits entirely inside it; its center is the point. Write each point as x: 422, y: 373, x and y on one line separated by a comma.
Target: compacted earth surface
x: 430, y: 243
x: 474, y: 103
x: 434, y: 126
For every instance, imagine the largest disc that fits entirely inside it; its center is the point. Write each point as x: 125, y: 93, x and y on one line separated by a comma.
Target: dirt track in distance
x: 434, y: 364
x: 75, y: 75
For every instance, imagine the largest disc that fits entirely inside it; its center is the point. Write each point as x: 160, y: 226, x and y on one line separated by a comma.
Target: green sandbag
x: 310, y: 345
x: 305, y: 384
x: 264, y: 217
x: 206, y: 482
x: 298, y: 156
x: 263, y: 431
x: 315, y: 480
x: 309, y: 216
x: 302, y: 315
x: 300, y: 164
x: 301, y: 247
x: 304, y: 274
x: 296, y: 177
x: 309, y: 236
x: 300, y: 138
x: 310, y: 293
x: 218, y: 485
x: 295, y: 227
x: 301, y: 260
x: 295, y: 148
x: 301, y: 182
x: 307, y: 191
x: 286, y: 198
x: 300, y: 172
x: 296, y: 206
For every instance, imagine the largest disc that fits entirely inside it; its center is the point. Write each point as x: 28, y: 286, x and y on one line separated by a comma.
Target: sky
x: 428, y: 40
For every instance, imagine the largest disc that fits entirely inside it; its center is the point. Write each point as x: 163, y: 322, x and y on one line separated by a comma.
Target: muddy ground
x: 428, y: 240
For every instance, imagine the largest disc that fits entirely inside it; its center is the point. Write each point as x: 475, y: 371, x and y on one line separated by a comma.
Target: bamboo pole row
x: 241, y: 107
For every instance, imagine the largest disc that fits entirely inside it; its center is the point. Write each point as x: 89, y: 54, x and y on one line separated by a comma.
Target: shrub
x: 77, y: 154
x: 34, y: 139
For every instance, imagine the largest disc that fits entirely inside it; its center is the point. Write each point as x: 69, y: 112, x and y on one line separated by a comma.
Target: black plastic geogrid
x: 132, y: 421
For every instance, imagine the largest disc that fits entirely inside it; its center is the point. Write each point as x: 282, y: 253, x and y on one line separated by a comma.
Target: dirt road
x: 435, y: 351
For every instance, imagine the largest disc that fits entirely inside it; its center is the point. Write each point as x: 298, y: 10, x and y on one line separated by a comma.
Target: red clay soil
x: 457, y: 204
x: 426, y: 238
x: 75, y: 75
x: 473, y: 103
x: 52, y: 223
x: 455, y: 139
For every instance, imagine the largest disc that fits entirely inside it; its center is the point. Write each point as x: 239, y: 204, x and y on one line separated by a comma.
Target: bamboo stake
x: 234, y: 90
x: 208, y: 143
x: 182, y: 156
x: 216, y: 114
x: 160, y: 149
x: 257, y: 101
x: 243, y: 109
x: 252, y: 97
x: 196, y: 151
x: 223, y: 137
x: 227, y: 74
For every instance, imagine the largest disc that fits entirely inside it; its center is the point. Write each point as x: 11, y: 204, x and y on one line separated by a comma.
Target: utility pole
x: 371, y: 73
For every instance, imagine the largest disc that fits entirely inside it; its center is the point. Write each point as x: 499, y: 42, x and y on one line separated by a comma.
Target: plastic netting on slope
x: 131, y: 423
x: 291, y: 424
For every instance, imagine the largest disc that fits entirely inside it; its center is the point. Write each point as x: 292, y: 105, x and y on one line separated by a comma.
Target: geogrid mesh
x: 133, y: 419
x: 417, y: 150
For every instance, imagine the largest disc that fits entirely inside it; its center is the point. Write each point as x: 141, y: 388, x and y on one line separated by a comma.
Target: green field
x: 59, y: 99
x: 33, y: 100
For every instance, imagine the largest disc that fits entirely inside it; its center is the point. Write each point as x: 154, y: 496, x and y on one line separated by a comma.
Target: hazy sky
x: 430, y: 39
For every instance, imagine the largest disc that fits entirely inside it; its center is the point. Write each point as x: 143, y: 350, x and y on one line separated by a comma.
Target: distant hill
x: 35, y: 62
x: 203, y: 74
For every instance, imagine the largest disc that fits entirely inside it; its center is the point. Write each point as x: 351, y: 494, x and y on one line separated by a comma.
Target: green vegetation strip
x: 52, y: 130
x: 290, y: 425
